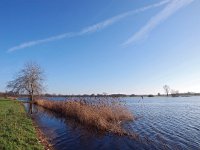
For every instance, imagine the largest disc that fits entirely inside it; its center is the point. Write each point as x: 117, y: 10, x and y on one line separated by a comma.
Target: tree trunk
x: 30, y: 104
x: 30, y: 108
x: 31, y: 97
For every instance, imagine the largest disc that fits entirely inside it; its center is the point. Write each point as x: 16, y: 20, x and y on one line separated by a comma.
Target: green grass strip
x: 16, y: 128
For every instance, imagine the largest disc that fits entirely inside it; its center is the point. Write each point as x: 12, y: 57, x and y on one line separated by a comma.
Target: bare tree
x: 167, y: 89
x: 28, y: 81
x: 174, y: 93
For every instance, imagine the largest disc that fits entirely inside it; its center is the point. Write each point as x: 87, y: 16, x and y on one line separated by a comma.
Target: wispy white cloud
x: 169, y: 10
x: 87, y: 30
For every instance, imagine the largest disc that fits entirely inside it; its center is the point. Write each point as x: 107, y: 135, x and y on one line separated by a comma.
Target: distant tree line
x: 29, y: 83
x: 10, y: 94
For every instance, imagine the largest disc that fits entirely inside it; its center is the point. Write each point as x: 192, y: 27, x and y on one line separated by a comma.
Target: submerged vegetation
x: 16, y: 128
x: 99, y: 115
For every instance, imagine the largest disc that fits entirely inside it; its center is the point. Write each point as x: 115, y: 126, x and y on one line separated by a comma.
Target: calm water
x: 163, y: 123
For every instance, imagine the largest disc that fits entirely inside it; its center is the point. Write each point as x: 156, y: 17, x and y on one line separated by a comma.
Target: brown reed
x: 102, y: 116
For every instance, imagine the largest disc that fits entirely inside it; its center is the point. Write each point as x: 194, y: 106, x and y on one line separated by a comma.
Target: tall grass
x: 100, y: 115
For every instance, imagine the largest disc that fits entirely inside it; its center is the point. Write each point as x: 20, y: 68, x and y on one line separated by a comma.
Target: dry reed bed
x: 101, y: 115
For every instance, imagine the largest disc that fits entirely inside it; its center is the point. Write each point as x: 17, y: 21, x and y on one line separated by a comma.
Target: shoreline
x: 41, y: 137
x: 17, y: 130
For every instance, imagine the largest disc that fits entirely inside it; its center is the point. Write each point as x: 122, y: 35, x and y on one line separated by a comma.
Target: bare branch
x: 167, y: 89
x: 28, y: 81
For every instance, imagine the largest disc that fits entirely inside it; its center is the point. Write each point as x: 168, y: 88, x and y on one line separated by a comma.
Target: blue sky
x: 92, y: 46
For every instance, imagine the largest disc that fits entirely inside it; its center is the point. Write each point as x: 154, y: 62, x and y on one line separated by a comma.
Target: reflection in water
x: 30, y: 110
x: 164, y: 123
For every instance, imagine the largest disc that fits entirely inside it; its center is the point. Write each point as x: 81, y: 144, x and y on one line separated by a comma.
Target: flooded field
x: 163, y: 123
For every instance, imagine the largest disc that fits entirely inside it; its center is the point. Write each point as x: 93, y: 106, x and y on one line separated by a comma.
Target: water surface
x: 163, y: 123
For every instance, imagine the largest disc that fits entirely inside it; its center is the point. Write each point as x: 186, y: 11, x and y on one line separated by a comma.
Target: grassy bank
x: 16, y: 129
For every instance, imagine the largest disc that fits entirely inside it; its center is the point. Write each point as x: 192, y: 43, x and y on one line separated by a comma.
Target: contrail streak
x: 168, y: 11
x: 87, y: 30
